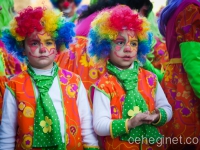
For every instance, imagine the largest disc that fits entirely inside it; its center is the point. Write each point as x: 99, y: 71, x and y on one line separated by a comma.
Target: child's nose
x: 127, y: 48
x: 42, y: 49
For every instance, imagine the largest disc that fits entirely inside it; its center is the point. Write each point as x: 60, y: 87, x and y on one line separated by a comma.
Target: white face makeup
x: 124, y: 49
x: 67, y: 7
x: 40, y: 48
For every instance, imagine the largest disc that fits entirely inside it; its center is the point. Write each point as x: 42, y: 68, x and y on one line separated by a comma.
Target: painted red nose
x: 66, y: 4
x: 127, y: 49
x: 42, y: 50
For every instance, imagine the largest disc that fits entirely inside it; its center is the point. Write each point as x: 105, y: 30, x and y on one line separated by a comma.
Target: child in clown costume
x: 158, y: 55
x: 9, y: 65
x: 68, y: 7
x: 77, y: 60
x: 45, y: 107
x: 180, y: 24
x: 131, y: 100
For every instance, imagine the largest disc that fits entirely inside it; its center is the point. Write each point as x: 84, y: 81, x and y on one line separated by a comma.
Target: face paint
x: 33, y: 43
x: 124, y: 49
x: 41, y: 43
x: 40, y: 48
x: 125, y: 43
x: 47, y: 42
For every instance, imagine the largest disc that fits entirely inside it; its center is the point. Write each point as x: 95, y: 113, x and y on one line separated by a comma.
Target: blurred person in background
x: 9, y: 65
x: 180, y: 25
x: 68, y: 7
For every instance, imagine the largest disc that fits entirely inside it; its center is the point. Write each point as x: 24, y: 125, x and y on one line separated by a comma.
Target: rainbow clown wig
x: 37, y: 19
x: 107, y: 24
x: 55, y: 2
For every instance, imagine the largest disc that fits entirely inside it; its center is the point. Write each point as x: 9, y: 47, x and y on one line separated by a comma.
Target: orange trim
x: 83, y: 37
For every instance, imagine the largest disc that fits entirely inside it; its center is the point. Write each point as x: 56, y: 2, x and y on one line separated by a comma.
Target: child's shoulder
x: 145, y: 72
x: 106, y: 78
x: 22, y: 75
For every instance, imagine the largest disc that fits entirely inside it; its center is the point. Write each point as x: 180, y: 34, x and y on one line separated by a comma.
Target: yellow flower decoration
x: 30, y: 128
x: 28, y: 112
x: 93, y: 73
x: 27, y: 142
x: 71, y: 91
x: 134, y: 112
x: 169, y: 73
x: 86, y: 61
x: 46, y: 124
x: 21, y: 106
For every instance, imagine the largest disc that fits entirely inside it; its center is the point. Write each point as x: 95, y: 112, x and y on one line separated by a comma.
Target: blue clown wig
x: 166, y: 14
x: 55, y: 2
x: 30, y: 20
x: 109, y: 22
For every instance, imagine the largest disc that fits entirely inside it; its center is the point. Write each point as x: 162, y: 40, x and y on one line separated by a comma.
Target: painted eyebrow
x: 49, y: 40
x: 120, y: 38
x: 33, y: 39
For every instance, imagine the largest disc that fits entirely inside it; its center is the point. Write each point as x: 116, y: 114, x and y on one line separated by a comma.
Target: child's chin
x: 44, y: 64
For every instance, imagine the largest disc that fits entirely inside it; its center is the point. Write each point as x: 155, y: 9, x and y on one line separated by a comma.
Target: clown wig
x: 38, y: 19
x: 167, y: 12
x: 55, y: 2
x: 105, y: 28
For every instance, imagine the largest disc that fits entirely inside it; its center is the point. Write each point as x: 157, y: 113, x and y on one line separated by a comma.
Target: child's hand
x: 155, y: 115
x: 139, y: 119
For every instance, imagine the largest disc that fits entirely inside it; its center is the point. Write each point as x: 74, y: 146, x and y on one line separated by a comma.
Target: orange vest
x: 109, y: 84
x: 3, y: 80
x: 78, y: 61
x: 22, y: 88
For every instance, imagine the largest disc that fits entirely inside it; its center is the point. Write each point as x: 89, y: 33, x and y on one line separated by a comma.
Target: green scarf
x: 46, y: 122
x: 129, y: 80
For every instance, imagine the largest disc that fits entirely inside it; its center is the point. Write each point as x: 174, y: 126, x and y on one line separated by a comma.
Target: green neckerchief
x: 46, y: 122
x: 129, y: 81
x: 73, y: 18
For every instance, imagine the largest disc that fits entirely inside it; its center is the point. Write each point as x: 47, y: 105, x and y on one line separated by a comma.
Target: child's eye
x: 121, y: 43
x: 134, y: 44
x: 49, y: 43
x: 34, y: 43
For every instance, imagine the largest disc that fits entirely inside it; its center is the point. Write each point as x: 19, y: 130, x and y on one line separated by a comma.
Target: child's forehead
x: 127, y: 33
x: 42, y: 35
